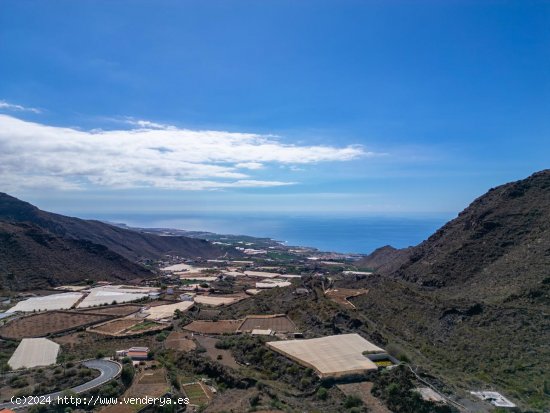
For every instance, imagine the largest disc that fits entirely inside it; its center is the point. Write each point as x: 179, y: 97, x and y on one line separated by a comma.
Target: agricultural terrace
x: 117, y: 310
x: 167, y: 311
x: 198, y: 393
x: 52, y: 322
x: 262, y: 274
x: 341, y: 295
x: 213, y: 327
x: 151, y: 382
x: 218, y: 300
x: 179, y: 341
x: 331, y: 356
x: 278, y: 323
x: 127, y: 327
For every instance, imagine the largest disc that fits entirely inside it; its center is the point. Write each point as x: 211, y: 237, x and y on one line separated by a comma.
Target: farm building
x: 332, y: 356
x: 138, y: 353
x: 33, y: 352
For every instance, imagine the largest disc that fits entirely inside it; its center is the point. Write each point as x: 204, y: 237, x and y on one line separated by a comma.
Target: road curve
x: 108, y: 370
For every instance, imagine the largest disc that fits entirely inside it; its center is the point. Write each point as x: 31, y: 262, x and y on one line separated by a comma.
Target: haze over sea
x: 357, y: 234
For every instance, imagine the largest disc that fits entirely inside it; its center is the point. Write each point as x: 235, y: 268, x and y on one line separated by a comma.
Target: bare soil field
x: 115, y: 326
x: 213, y: 327
x: 279, y: 323
x: 363, y: 391
x: 341, y: 295
x: 160, y: 302
x: 150, y: 383
x: 127, y: 327
x: 119, y: 310
x: 51, y: 322
x: 209, y: 343
x: 216, y: 300
x: 179, y: 341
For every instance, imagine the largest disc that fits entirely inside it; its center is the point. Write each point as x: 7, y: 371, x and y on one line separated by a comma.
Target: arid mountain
x: 385, y: 260
x: 473, y: 300
x: 130, y: 244
x: 32, y: 258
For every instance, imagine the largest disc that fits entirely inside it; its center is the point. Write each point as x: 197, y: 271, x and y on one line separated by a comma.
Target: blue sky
x: 328, y: 107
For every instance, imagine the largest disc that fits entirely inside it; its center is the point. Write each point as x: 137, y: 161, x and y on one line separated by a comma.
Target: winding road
x: 108, y: 370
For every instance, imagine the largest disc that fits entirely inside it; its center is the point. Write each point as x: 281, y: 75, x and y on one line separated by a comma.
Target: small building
x: 138, y: 353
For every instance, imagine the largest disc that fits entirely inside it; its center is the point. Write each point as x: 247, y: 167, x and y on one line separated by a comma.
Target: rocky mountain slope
x: 32, y: 258
x: 385, y: 260
x: 473, y: 300
x: 131, y: 244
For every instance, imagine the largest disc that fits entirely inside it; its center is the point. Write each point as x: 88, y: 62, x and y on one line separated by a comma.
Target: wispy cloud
x: 37, y: 155
x: 146, y: 124
x: 17, y: 108
x: 249, y: 165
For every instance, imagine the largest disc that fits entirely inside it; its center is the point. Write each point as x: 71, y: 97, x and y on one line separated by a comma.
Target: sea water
x: 348, y: 234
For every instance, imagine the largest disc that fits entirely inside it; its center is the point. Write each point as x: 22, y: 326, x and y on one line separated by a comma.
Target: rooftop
x: 331, y: 356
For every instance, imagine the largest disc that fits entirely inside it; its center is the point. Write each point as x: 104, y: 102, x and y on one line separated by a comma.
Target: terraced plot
x: 179, y: 341
x: 213, y: 327
x: 123, y: 327
x: 51, y: 322
x: 278, y: 323
x: 196, y: 393
x: 116, y: 326
x: 341, y: 295
x: 218, y: 300
x: 119, y: 310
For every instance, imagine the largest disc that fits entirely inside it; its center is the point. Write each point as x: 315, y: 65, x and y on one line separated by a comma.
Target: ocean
x: 327, y: 233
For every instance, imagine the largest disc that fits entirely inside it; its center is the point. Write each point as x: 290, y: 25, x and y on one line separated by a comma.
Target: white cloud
x: 17, y: 108
x: 249, y: 165
x: 145, y: 124
x: 152, y: 155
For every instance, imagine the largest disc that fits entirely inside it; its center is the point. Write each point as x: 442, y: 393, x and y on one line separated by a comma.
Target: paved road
x: 108, y: 370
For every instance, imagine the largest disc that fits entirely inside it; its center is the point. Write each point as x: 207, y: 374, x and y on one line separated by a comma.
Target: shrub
x: 255, y: 400
x: 352, y: 401
x: 127, y: 374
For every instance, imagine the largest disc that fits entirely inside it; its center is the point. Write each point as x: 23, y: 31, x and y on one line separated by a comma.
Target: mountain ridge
x: 131, y: 244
